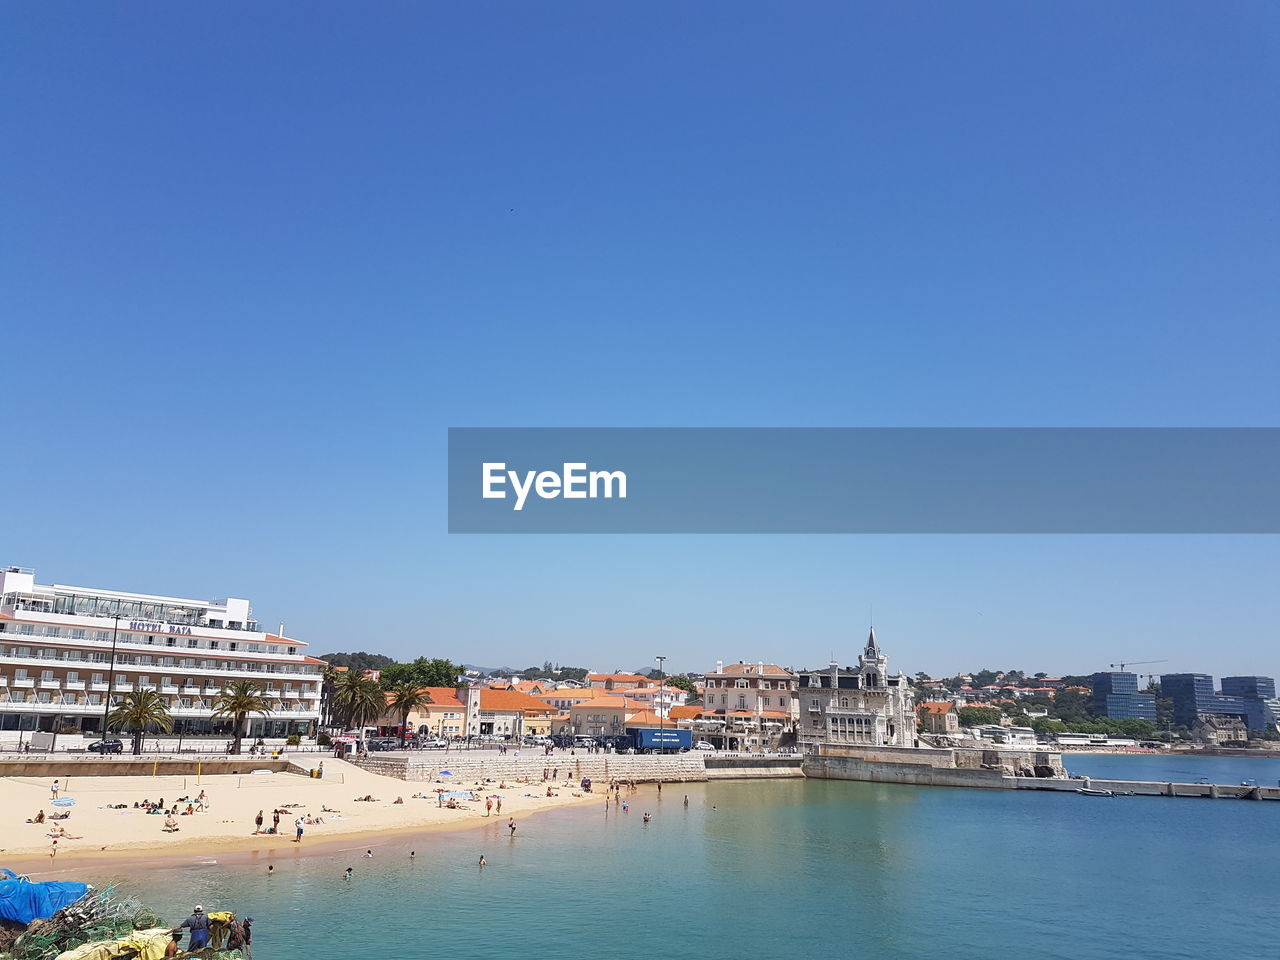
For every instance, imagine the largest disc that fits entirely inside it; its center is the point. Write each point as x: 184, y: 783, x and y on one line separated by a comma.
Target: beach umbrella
x: 445, y: 773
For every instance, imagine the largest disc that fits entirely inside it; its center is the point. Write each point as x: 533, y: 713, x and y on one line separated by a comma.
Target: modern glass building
x: 1249, y: 699
x: 1116, y: 695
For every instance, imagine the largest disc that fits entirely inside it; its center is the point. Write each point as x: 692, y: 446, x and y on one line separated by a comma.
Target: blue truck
x: 671, y: 740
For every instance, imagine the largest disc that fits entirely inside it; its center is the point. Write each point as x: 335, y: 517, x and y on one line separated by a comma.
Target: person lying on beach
x: 59, y: 832
x: 398, y: 800
x: 60, y: 816
x: 325, y: 809
x: 367, y: 798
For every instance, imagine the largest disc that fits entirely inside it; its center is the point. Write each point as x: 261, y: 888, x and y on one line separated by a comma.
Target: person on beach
x: 54, y: 789
x: 174, y: 946
x: 39, y: 818
x: 686, y: 800
x: 275, y: 821
x: 257, y: 823
x: 170, y: 824
x: 53, y: 851
x: 482, y: 860
x: 368, y: 854
x: 198, y: 924
x: 646, y: 816
x: 511, y: 825
x: 347, y: 874
x: 248, y: 935
x: 271, y: 870
x: 499, y: 806
x: 412, y: 855
x: 298, y: 826
x: 488, y: 806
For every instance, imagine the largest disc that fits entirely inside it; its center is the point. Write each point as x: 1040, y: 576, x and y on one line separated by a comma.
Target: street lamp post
x: 111, y: 677
x: 662, y: 682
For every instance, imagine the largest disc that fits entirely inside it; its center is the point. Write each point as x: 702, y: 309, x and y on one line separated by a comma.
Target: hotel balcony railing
x: 50, y: 684
x: 128, y: 654
x: 74, y: 684
x: 27, y: 683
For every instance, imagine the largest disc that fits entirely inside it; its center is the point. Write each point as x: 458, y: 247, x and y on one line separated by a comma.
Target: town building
x: 862, y: 704
x: 1116, y: 695
x: 940, y: 717
x: 473, y: 711
x: 747, y: 706
x: 617, y: 681
x: 1217, y: 730
x: 66, y: 652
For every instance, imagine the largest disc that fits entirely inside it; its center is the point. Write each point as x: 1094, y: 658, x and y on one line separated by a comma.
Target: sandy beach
x: 99, y: 831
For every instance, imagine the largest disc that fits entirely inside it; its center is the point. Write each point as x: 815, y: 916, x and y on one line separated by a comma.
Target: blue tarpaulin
x: 24, y: 901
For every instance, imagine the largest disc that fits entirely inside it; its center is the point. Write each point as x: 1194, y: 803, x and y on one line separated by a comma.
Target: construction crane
x: 1135, y: 663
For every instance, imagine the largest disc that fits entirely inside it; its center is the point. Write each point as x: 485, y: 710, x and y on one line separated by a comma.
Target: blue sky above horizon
x: 258, y: 259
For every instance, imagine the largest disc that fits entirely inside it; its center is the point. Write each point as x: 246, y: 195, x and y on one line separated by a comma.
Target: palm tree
x: 239, y: 699
x: 139, y: 710
x: 404, y: 698
x: 357, y: 700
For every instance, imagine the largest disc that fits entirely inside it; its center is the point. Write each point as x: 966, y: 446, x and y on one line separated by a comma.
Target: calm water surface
x: 786, y: 868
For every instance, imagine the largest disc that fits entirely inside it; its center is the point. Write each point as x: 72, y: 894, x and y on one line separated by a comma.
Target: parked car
x: 703, y: 745
x: 433, y: 742
x: 107, y: 746
x: 384, y: 743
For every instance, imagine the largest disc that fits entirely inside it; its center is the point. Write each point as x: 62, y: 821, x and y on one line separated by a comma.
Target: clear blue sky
x: 256, y: 258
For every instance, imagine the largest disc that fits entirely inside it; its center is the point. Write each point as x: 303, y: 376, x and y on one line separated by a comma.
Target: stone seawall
x: 466, y: 768
x: 751, y: 768
x: 470, y: 767
x: 918, y: 774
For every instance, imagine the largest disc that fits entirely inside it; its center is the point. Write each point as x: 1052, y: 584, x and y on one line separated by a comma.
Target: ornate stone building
x: 857, y: 705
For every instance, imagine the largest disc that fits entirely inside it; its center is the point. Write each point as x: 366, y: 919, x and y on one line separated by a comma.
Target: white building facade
x: 863, y: 704
x: 58, y: 671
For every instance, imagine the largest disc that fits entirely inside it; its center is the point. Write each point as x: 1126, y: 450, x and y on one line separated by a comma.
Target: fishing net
x: 100, y: 915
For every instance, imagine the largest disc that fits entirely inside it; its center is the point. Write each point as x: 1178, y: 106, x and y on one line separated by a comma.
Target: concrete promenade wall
x: 117, y: 766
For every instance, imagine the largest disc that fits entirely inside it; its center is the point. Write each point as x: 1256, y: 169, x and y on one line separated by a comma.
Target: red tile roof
x: 936, y: 708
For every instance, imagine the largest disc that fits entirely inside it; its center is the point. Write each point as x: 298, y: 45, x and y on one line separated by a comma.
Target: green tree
x: 978, y: 716
x: 421, y: 673
x: 138, y: 710
x: 1072, y: 706
x: 239, y: 700
x: 404, y: 698
x: 683, y: 683
x: 358, y: 661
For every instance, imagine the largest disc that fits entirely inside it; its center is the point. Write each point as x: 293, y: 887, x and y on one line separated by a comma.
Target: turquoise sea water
x: 784, y: 868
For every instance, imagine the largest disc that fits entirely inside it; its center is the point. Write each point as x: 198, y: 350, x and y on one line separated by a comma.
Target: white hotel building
x: 56, y: 658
